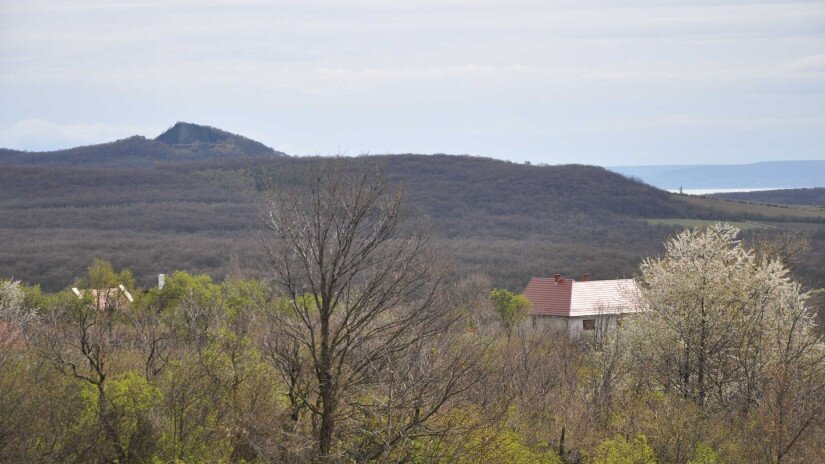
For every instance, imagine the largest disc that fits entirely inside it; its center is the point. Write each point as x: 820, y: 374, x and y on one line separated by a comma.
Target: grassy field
x: 758, y: 212
x: 744, y: 225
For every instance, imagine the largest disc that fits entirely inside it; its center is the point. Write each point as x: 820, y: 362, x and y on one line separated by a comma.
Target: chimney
x: 557, y: 277
x: 161, y: 281
x: 585, y: 277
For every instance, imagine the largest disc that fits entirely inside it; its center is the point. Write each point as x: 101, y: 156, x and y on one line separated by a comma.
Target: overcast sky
x: 608, y: 82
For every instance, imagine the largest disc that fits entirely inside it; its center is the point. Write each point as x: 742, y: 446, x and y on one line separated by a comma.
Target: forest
x: 354, y: 341
x: 504, y: 220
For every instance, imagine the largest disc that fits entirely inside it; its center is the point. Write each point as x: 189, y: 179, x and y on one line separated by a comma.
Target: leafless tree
x: 153, y: 336
x: 362, y: 291
x: 789, y: 246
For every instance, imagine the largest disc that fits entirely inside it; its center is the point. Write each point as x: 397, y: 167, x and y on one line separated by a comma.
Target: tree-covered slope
x: 182, y: 142
x: 501, y: 219
x: 145, y: 206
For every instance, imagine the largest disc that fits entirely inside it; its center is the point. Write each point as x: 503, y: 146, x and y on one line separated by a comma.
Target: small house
x: 115, y: 298
x: 580, y: 306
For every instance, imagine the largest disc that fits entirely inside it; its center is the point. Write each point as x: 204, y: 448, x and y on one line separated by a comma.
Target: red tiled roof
x: 567, y: 297
x: 549, y: 297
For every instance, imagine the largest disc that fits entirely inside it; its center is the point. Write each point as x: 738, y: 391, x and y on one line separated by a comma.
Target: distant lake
x: 720, y: 190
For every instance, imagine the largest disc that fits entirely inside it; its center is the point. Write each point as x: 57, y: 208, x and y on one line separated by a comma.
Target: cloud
x: 525, y: 75
x: 810, y: 64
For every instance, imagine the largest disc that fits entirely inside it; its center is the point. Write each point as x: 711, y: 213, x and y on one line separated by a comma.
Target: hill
x: 205, y: 141
x: 501, y: 219
x: 495, y: 218
x: 772, y: 174
x: 180, y: 143
x: 805, y: 196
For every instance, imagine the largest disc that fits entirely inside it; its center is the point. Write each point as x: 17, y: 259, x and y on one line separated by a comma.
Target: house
x: 107, y: 298
x: 580, y: 306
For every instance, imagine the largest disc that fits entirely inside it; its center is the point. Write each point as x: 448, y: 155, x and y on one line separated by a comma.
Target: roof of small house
x: 558, y: 296
x: 107, y: 297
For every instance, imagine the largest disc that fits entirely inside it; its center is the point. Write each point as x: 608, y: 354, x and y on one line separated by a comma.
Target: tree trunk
x: 327, y: 389
x: 327, y: 423
x: 106, y: 421
x: 702, y: 358
x: 561, y: 444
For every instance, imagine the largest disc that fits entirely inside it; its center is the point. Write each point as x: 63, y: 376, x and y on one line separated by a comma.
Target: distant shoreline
x: 709, y: 191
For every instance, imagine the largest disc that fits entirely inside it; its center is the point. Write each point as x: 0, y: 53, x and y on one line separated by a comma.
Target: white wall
x: 574, y: 324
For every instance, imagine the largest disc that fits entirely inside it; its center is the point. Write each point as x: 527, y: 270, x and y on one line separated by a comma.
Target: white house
x: 580, y: 306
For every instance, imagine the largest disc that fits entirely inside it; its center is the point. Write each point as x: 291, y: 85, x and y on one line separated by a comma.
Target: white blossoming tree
x: 11, y: 297
x: 729, y: 330
x: 12, y: 313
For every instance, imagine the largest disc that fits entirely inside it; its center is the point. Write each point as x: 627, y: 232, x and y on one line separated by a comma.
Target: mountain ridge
x: 180, y: 143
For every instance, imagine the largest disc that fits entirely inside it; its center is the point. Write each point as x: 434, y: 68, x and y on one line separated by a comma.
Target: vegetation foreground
x: 355, y: 347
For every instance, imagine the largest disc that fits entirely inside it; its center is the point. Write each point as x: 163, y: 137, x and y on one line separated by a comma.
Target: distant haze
x: 702, y: 179
x: 610, y: 82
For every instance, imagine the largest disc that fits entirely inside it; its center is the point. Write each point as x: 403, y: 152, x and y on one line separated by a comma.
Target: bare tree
x: 363, y: 294
x: 789, y: 246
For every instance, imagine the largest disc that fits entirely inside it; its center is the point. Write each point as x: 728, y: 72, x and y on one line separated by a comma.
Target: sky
x: 609, y: 82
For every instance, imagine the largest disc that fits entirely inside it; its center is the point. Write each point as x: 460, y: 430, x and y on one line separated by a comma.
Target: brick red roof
x: 548, y: 297
x: 567, y: 297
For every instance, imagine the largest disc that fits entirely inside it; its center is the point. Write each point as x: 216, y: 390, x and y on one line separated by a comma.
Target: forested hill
x: 160, y: 205
x: 205, y: 141
x: 805, y: 196
x: 504, y: 220
x: 453, y: 188
x: 180, y: 143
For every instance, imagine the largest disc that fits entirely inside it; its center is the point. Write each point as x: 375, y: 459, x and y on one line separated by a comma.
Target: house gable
x: 557, y: 296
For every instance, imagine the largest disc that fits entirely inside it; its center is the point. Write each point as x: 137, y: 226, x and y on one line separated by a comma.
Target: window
x: 589, y: 324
